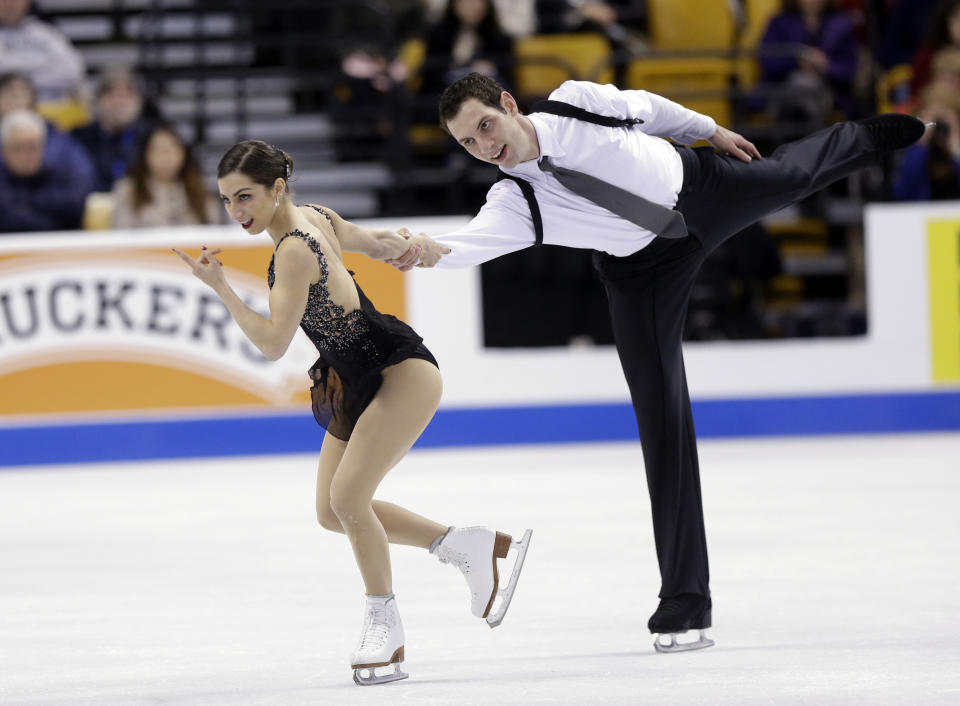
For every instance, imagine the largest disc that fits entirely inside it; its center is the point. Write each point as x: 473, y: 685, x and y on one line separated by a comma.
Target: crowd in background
x: 810, y: 58
x: 47, y: 173
x: 70, y: 136
x: 813, y: 58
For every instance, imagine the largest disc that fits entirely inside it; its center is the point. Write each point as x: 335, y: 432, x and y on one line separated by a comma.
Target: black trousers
x: 648, y: 293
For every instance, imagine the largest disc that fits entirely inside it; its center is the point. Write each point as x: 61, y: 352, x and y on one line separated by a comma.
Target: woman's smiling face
x: 250, y: 204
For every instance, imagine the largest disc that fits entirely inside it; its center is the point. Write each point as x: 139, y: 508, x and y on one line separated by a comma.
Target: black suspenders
x: 567, y: 111
x: 571, y: 111
x: 527, y: 190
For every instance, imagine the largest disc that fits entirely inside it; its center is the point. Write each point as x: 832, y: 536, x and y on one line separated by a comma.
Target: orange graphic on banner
x: 114, y: 326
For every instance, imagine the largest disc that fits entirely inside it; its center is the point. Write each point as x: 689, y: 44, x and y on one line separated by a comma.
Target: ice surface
x: 834, y: 563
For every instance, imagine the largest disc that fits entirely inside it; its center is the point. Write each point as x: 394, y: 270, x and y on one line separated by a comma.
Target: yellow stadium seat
x: 98, y: 211
x: 545, y: 61
x: 65, y: 114
x: 412, y: 54
x: 701, y: 84
x: 801, y: 236
x: 426, y: 138
x: 690, y: 24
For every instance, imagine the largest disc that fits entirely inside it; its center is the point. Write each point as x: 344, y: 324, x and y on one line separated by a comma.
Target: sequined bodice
x: 333, y: 332
x: 357, y: 344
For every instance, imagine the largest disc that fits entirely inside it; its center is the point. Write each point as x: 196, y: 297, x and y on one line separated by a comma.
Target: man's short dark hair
x: 474, y: 85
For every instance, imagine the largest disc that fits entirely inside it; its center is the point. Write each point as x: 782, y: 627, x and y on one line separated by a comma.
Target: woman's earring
x: 276, y: 203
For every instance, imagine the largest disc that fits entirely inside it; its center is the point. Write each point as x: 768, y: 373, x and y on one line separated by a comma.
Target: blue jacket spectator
x: 45, y: 176
x: 114, y: 138
x: 807, y: 48
x: 914, y: 180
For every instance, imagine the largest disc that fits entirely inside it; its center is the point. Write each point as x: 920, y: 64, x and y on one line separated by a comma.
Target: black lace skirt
x: 338, y: 401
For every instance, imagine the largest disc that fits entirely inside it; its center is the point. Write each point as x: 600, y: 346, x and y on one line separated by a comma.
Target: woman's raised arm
x: 295, y: 266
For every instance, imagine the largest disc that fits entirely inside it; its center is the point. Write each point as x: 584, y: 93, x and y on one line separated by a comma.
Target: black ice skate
x: 675, y: 616
x: 893, y: 131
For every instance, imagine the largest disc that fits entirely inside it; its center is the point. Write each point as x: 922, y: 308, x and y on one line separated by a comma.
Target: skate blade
x: 367, y: 676
x: 505, y: 595
x: 673, y: 646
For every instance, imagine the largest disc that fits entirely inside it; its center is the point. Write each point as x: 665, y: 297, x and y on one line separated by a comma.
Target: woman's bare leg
x: 401, y: 525
x: 401, y: 410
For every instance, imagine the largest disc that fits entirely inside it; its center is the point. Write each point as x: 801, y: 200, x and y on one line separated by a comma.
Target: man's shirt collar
x: 549, y: 147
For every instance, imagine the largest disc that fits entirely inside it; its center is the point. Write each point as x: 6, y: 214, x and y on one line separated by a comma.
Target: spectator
x: 45, y: 177
x: 944, y: 33
x: 372, y: 73
x: 164, y: 186
x: 41, y: 52
x: 518, y: 18
x: 16, y: 93
x: 617, y: 19
x: 622, y: 22
x: 808, y: 60
x: 113, y: 138
x: 930, y: 170
x: 468, y: 38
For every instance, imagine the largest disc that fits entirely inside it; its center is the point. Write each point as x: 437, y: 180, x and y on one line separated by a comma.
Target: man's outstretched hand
x: 424, y: 251
x: 729, y: 142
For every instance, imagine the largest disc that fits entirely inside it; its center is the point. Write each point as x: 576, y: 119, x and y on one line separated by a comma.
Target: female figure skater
x: 375, y: 389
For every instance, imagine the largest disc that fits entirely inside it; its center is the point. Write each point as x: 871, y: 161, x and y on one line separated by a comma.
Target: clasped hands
x: 424, y: 251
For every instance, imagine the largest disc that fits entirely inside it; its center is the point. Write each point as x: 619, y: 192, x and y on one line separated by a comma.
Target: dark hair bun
x: 258, y: 160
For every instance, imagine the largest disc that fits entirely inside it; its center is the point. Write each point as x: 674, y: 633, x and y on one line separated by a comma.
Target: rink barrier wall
x: 111, y: 350
x: 297, y: 433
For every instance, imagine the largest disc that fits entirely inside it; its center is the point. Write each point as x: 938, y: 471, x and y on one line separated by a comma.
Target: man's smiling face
x: 491, y: 135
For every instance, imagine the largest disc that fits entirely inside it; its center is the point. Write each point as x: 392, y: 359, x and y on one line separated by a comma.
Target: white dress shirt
x: 633, y: 158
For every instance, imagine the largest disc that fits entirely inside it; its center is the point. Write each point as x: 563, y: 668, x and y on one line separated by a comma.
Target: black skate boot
x: 688, y: 611
x: 893, y: 131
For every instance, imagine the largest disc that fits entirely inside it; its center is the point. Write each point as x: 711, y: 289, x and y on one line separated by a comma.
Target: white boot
x: 381, y: 642
x: 475, y: 550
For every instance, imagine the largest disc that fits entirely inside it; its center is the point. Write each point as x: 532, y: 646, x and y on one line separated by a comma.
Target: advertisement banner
x: 114, y: 324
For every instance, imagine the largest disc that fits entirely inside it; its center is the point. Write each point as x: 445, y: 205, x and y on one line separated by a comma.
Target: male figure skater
x: 589, y: 169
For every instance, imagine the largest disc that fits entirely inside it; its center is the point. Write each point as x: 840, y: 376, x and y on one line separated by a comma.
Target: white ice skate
x: 667, y: 642
x: 381, y: 642
x: 475, y: 550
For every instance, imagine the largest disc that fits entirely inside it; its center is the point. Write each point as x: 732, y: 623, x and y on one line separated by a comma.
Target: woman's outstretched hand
x: 207, y: 268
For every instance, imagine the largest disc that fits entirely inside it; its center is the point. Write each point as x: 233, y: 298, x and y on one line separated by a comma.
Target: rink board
x: 110, y: 349
x: 298, y: 433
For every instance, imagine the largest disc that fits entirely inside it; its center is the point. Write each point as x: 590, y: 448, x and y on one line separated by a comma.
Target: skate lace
x: 458, y: 559
x: 375, y: 630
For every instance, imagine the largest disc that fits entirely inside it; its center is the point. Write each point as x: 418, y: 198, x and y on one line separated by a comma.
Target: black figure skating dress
x: 354, y: 349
